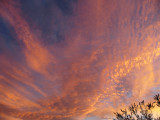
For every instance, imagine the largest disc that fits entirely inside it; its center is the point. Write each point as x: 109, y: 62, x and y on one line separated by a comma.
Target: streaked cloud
x: 76, y: 60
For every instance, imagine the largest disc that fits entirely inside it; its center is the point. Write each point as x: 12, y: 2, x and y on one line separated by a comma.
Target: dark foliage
x: 139, y: 111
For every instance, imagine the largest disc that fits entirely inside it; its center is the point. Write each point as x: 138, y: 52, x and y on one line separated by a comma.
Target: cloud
x: 68, y: 66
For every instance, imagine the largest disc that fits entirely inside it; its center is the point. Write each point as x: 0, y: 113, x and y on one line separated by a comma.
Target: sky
x: 77, y: 59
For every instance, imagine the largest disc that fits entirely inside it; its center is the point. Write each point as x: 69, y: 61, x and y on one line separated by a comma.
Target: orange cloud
x: 105, y: 58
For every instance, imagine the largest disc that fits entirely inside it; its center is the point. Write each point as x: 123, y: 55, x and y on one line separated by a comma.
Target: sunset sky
x: 77, y: 59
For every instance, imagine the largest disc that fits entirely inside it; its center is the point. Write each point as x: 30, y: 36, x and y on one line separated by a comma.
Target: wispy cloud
x: 85, y: 58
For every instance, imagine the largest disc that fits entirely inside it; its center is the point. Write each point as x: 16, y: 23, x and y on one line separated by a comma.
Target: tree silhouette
x: 139, y: 111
